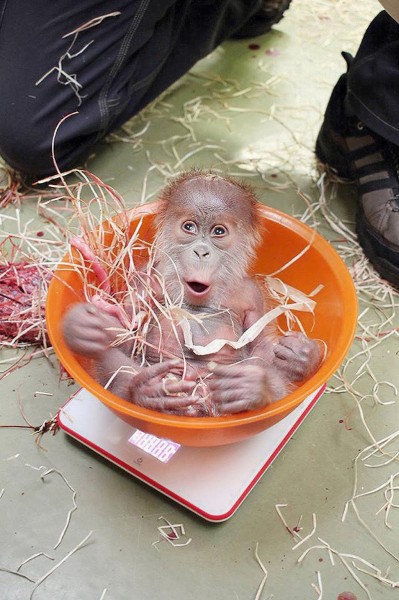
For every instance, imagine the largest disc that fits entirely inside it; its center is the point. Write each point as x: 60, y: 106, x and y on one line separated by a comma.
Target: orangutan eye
x: 190, y: 227
x: 219, y: 231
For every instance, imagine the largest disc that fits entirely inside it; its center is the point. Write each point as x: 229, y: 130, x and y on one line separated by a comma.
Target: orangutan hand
x: 89, y: 330
x: 245, y: 386
x: 152, y: 388
x: 296, y: 356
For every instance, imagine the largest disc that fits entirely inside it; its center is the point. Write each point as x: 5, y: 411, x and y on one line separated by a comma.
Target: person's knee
x: 40, y: 149
x: 26, y: 148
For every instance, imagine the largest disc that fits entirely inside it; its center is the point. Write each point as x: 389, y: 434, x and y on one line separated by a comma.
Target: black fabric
x: 106, y: 72
x: 373, y: 79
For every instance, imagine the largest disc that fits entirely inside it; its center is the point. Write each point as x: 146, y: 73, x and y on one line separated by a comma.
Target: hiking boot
x: 262, y: 21
x: 354, y: 152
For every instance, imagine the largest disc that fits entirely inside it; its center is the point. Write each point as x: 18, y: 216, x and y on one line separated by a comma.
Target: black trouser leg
x: 50, y: 66
x: 373, y: 79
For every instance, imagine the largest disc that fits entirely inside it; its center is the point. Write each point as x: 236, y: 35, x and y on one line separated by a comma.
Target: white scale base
x: 211, y: 482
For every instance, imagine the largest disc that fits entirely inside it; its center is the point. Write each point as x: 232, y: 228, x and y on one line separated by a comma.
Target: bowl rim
x: 283, y: 406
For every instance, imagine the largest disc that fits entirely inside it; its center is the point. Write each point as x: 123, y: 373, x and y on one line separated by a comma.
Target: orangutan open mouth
x: 197, y: 287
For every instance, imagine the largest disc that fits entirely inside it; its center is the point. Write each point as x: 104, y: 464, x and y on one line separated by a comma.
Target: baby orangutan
x: 208, y: 228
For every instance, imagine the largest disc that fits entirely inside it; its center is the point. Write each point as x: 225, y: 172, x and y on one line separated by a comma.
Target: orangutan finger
x: 147, y: 373
x: 168, y: 403
x: 177, y: 387
x: 282, y: 352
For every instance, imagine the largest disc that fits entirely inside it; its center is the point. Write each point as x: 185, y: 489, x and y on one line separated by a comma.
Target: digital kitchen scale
x: 212, y: 482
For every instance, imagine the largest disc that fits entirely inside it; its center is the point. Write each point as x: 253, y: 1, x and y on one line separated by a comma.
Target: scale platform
x: 212, y: 482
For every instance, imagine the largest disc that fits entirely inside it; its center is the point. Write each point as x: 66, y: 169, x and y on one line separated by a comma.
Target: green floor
x: 253, y: 113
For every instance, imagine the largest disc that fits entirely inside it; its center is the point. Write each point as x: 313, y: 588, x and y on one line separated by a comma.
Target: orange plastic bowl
x: 334, y: 322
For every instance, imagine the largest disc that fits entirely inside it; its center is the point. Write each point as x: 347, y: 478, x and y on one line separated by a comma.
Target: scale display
x: 212, y: 482
x: 162, y: 449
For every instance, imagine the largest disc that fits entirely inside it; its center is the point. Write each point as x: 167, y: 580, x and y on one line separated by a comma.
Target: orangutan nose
x: 202, y: 251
